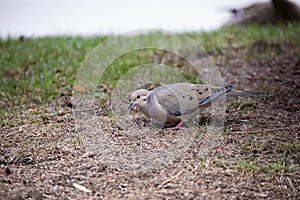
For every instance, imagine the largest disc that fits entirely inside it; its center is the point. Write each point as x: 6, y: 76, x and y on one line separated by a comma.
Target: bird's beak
x: 130, y: 105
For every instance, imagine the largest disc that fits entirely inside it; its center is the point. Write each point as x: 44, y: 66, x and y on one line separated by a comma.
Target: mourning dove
x: 169, y: 103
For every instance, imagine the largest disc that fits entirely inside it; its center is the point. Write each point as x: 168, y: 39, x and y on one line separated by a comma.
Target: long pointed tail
x: 233, y: 94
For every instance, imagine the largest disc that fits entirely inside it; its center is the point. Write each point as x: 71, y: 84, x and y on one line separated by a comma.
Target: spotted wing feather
x: 184, y: 98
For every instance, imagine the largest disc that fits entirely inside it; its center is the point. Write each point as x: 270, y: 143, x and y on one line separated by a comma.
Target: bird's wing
x: 184, y: 98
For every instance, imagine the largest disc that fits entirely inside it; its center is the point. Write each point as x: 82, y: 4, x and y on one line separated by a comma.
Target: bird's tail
x: 235, y: 93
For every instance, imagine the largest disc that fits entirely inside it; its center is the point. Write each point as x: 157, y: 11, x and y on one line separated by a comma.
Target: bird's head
x: 138, y: 98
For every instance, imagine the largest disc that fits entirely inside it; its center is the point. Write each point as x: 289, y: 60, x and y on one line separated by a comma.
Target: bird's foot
x: 178, y: 126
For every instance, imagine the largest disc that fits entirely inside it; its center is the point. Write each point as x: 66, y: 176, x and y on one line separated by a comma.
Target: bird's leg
x: 177, y: 126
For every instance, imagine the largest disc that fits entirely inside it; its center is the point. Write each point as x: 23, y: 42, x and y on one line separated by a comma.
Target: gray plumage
x: 169, y: 103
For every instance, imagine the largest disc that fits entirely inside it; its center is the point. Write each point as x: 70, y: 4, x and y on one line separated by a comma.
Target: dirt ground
x: 258, y: 156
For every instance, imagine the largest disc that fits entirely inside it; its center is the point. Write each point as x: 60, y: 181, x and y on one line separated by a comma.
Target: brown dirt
x: 257, y: 157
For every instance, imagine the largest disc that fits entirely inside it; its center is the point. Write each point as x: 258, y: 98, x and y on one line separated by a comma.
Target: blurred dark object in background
x: 276, y: 11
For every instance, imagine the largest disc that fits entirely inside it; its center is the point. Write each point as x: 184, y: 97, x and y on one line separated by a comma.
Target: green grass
x: 241, y: 163
x: 277, y: 166
x: 243, y: 36
x: 40, y: 68
x: 280, y: 166
x: 36, y: 70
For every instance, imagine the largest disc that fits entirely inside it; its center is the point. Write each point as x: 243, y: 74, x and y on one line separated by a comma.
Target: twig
x: 173, y: 177
x: 291, y: 183
x: 81, y: 187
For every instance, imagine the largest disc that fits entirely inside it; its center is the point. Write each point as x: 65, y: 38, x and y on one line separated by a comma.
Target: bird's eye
x: 138, y: 96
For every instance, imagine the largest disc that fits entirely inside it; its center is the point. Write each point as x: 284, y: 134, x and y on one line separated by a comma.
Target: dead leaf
x: 79, y: 88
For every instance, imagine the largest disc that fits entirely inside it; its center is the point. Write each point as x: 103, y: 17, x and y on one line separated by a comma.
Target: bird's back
x: 185, y: 98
